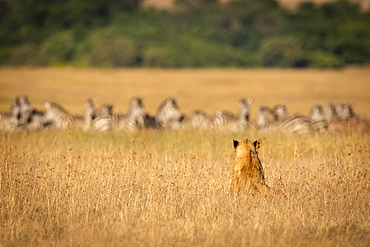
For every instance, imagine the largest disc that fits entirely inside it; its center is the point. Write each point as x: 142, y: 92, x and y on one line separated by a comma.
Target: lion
x: 247, y: 175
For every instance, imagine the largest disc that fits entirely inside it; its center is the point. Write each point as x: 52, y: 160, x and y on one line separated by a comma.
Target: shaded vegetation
x: 194, y: 34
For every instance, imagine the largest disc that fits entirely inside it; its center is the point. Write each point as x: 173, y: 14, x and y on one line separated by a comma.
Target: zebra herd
x: 336, y: 118
x: 279, y: 119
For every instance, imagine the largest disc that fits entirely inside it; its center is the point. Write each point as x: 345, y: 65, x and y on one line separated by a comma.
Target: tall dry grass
x: 171, y: 189
x: 152, y: 188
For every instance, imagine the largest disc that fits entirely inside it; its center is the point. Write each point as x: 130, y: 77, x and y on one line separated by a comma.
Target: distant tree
x: 158, y: 57
x: 193, y: 3
x: 280, y: 52
x: 57, y: 49
x: 114, y: 51
x: 197, y: 33
x: 323, y: 59
x: 24, y: 55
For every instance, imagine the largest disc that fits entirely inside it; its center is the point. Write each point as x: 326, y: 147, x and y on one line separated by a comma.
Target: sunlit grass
x: 159, y: 188
x: 209, y: 90
x: 171, y: 188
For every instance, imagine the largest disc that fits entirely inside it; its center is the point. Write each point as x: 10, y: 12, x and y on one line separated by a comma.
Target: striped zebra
x: 280, y: 111
x: 37, y: 120
x: 278, y: 119
x: 99, y: 119
x: 102, y: 118
x: 331, y: 113
x: 224, y: 120
x: 201, y: 120
x: 26, y: 110
x: 245, y: 109
x: 317, y: 117
x: 9, y: 121
x: 266, y: 118
x: 133, y: 119
x: 89, y: 111
x: 345, y: 112
x: 168, y: 116
x: 56, y: 116
x: 30, y: 118
x: 339, y: 112
x: 295, y: 123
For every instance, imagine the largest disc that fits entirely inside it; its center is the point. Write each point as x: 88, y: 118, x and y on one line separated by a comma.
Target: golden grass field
x: 153, y: 188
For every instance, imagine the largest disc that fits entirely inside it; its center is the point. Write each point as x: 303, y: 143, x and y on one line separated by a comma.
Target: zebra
x: 99, y: 119
x: 278, y: 119
x: 30, y: 118
x: 133, y: 119
x: 266, y: 118
x: 56, y: 116
x: 201, y: 120
x: 224, y: 120
x: 339, y: 112
x: 10, y: 121
x: 345, y: 112
x: 280, y: 111
x: 331, y: 113
x: 89, y: 110
x: 168, y: 116
x: 317, y: 113
x: 26, y: 110
x: 317, y: 117
x: 37, y: 121
x: 295, y: 123
x: 102, y: 118
x: 245, y: 109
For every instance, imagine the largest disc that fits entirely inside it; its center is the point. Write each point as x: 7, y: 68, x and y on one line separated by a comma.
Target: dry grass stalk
x: 171, y: 188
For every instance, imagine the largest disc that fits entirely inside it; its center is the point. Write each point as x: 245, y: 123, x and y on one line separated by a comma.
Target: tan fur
x: 357, y: 125
x: 247, y: 175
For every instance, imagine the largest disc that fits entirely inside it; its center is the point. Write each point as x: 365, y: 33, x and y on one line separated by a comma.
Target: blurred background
x: 184, y: 33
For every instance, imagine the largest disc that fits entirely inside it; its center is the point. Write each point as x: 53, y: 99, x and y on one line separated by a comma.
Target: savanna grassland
x: 162, y: 188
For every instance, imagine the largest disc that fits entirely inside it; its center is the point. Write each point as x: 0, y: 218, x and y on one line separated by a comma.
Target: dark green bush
x: 58, y: 49
x: 115, y: 51
x: 280, y: 52
x: 204, y: 53
x: 196, y: 33
x: 158, y: 57
x: 322, y: 59
x: 24, y: 55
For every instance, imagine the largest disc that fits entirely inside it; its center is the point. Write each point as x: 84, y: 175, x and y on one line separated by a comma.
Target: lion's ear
x: 257, y: 143
x: 235, y: 143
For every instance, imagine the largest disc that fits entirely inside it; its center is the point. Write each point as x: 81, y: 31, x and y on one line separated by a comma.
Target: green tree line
x: 194, y: 34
